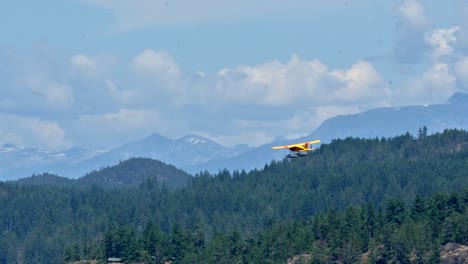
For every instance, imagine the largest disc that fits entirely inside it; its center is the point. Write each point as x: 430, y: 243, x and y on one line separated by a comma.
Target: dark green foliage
x: 350, y: 197
x: 46, y: 179
x: 338, y: 237
x: 395, y: 211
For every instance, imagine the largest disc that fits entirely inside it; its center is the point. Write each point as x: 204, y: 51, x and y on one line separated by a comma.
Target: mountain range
x: 380, y: 122
x: 194, y: 153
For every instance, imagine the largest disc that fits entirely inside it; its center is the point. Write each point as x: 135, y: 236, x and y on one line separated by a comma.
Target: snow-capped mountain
x: 195, y: 153
x: 18, y: 161
x: 186, y: 151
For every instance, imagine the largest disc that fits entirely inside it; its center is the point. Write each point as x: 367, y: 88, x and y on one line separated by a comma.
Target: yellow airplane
x: 299, y: 149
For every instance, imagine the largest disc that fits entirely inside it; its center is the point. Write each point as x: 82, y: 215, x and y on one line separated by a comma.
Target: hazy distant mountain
x: 185, y: 151
x: 195, y: 153
x: 381, y: 122
x: 19, y: 162
x: 388, y: 122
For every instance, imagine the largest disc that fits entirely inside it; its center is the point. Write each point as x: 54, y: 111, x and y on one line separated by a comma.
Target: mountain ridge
x: 378, y: 122
x: 195, y: 154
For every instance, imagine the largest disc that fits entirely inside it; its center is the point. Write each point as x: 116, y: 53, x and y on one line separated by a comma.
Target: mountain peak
x: 458, y: 98
x: 194, y: 139
x: 134, y: 171
x: 156, y: 136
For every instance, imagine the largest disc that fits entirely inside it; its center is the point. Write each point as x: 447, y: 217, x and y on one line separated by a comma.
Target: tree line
x: 42, y: 220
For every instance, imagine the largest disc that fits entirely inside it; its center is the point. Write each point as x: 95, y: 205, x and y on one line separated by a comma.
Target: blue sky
x: 101, y: 73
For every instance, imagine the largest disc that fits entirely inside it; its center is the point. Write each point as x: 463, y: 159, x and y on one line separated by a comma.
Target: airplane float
x: 299, y: 149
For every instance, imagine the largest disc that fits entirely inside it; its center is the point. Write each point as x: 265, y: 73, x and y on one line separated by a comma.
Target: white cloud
x: 156, y: 63
x: 29, y: 131
x: 360, y: 82
x: 83, y: 60
x: 413, y: 13
x: 122, y: 97
x: 440, y: 40
x: 298, y: 82
x: 55, y: 95
x: 439, y: 76
x: 434, y: 86
x: 93, y: 66
x: 159, y: 80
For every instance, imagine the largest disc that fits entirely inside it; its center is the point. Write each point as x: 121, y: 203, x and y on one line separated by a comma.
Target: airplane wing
x: 313, y: 142
x: 298, y: 146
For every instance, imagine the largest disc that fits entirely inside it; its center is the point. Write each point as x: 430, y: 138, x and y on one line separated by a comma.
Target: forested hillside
x: 134, y: 171
x: 396, y: 233
x: 128, y: 173
x: 47, y: 223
